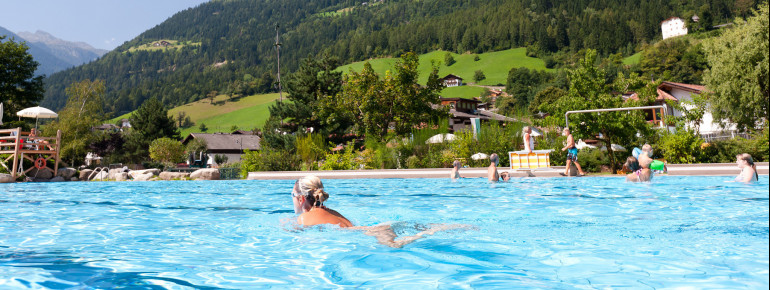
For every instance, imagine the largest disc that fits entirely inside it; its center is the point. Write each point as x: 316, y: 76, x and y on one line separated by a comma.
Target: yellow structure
x: 524, y: 160
x: 42, y: 151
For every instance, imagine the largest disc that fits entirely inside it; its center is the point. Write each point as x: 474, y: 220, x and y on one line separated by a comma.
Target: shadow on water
x: 64, y: 268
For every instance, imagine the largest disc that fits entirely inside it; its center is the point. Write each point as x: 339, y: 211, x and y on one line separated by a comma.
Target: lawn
x: 466, y: 92
x: 633, y: 59
x: 495, y: 65
x: 245, y: 113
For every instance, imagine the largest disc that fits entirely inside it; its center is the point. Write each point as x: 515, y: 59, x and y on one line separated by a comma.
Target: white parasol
x: 479, y: 156
x: 536, y: 132
x: 440, y: 138
x: 582, y: 145
x: 37, y: 113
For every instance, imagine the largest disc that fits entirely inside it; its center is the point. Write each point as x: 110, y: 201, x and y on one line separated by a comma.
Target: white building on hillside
x: 673, y: 26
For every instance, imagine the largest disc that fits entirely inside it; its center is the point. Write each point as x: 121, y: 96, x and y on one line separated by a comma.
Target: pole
x: 662, y: 116
x: 278, y: 51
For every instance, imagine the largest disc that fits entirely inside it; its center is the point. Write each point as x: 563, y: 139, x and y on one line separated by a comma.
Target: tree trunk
x: 610, y: 153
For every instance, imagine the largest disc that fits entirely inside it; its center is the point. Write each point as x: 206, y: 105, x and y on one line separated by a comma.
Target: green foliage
x: 167, y: 151
x: 724, y: 151
x: 478, y: 76
x: 239, y: 36
x: 315, y: 80
x: 592, y: 160
x: 310, y: 147
x: 268, y: 160
x: 545, y: 97
x: 345, y: 160
x: 19, y: 87
x: 493, y: 138
x: 589, y: 91
x: 476, y: 57
x: 373, y: 104
x: 682, y: 147
x: 739, y: 78
x: 203, y: 127
x: 679, y: 59
x: 197, y: 145
x: 149, y: 122
x: 220, y: 159
x: 82, y: 112
x: 449, y: 60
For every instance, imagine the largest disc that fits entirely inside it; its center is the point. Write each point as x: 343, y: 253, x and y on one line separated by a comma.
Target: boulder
x: 120, y: 176
x: 40, y: 174
x: 153, y: 171
x: 6, y: 178
x: 84, y: 174
x: 58, y: 179
x: 143, y: 177
x: 165, y: 175
x: 67, y: 172
x: 205, y: 174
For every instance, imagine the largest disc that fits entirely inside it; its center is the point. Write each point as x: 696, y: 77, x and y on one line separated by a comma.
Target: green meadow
x: 251, y: 112
x: 495, y: 65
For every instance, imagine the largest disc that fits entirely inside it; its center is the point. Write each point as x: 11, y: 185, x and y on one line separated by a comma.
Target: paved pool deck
x: 712, y: 169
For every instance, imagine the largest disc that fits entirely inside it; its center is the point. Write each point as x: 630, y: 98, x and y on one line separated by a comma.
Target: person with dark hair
x: 748, y: 169
x: 638, y: 174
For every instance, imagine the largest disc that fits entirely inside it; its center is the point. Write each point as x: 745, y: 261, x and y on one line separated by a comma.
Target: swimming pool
x: 590, y: 232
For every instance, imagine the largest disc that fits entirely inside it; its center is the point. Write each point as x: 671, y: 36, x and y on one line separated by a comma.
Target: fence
x: 229, y: 173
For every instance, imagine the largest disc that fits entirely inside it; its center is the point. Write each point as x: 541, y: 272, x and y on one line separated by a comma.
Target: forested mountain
x: 227, y: 46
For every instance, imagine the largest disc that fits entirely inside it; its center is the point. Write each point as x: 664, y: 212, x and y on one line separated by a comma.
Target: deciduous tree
x: 738, y: 80
x: 19, y: 87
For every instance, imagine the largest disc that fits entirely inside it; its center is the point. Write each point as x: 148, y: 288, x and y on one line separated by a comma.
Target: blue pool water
x: 597, y: 232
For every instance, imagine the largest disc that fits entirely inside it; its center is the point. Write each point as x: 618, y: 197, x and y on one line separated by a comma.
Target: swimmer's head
x: 745, y: 157
x: 456, y: 164
x: 647, y: 148
x: 309, y: 191
x: 505, y: 176
x: 494, y: 159
x: 632, y: 164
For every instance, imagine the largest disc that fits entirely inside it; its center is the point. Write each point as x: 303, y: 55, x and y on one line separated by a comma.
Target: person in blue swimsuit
x: 572, y: 153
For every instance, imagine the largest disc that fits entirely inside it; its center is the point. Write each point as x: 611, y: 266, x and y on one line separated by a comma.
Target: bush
x: 167, y: 151
x: 479, y: 76
x: 413, y: 162
x: 310, y: 148
x: 682, y: 147
x: 344, y: 160
x: 448, y: 59
x: 268, y: 160
x: 724, y: 151
x: 592, y: 160
x: 220, y: 159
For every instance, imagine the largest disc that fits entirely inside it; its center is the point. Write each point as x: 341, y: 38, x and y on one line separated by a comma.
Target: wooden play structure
x: 42, y: 151
x: 524, y: 160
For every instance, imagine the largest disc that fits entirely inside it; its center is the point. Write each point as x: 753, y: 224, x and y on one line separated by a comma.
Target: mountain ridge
x: 54, y: 54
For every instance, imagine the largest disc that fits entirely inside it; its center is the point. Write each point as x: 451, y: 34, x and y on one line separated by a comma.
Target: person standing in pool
x: 455, y: 173
x: 308, y: 197
x: 638, y: 174
x: 492, y: 174
x: 748, y: 169
x: 572, y: 153
x: 529, y: 141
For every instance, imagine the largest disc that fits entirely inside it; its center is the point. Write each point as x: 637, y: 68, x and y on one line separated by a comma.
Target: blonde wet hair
x: 750, y: 161
x: 313, y: 189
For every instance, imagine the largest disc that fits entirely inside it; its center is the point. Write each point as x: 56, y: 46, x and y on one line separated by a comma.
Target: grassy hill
x: 495, y: 66
x: 252, y: 111
x: 246, y: 113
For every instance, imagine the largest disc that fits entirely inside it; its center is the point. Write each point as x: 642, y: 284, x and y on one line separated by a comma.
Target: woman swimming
x: 308, y: 196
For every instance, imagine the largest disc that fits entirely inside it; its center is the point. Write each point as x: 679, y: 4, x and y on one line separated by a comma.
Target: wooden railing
x: 20, y: 145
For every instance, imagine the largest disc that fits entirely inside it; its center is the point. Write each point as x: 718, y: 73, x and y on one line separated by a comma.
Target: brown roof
x: 226, y: 141
x: 687, y: 87
x: 450, y: 76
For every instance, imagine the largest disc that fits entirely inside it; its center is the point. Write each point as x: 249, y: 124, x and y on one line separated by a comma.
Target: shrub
x: 682, y: 147
x: 479, y: 76
x: 268, y: 160
x: 413, y: 162
x: 220, y: 159
x: 592, y: 160
x: 448, y: 59
x: 344, y: 160
x: 167, y: 151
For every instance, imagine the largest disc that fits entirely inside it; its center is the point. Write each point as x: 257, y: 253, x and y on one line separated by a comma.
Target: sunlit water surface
x: 590, y: 232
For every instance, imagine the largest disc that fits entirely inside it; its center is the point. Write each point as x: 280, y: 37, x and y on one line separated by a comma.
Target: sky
x: 103, y: 24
